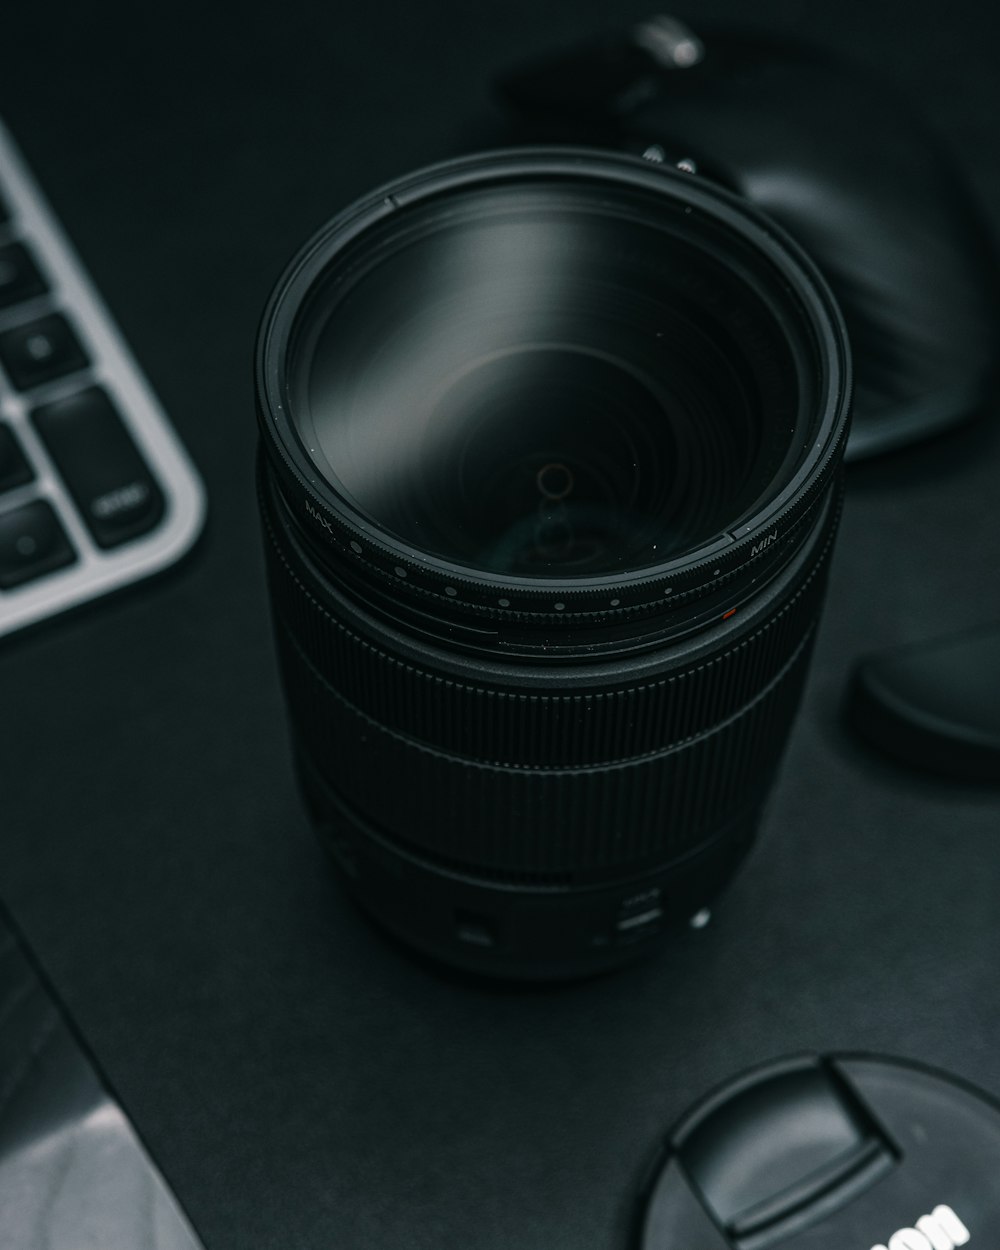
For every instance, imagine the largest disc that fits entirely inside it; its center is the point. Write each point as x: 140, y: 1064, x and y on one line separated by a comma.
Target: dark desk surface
x: 300, y: 1081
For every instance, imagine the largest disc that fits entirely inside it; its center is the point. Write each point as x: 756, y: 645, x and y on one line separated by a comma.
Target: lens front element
x: 547, y: 380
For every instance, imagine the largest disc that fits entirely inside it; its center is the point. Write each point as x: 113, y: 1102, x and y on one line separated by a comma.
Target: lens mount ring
x: 372, y: 554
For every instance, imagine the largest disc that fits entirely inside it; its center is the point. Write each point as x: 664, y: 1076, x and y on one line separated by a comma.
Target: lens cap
x: 831, y: 1153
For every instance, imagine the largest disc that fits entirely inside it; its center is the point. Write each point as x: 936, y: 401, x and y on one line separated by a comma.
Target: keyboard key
x: 19, y: 276
x: 14, y: 467
x: 32, y: 542
x: 101, y: 465
x: 40, y: 351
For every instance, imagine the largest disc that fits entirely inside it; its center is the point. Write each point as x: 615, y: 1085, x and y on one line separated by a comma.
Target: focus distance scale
x: 549, y: 481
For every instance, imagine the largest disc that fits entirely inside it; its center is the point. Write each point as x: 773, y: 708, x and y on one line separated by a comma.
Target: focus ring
x: 549, y: 729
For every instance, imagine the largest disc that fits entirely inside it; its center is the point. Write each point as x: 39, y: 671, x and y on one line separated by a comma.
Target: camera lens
x: 549, y: 481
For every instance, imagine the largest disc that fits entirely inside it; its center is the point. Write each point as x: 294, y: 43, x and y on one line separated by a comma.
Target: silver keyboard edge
x: 113, y: 367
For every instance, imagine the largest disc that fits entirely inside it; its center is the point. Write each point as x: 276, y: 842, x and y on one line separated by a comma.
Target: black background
x: 301, y: 1082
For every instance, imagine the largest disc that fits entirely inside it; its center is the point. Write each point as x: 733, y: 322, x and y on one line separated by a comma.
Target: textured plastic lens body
x: 550, y: 452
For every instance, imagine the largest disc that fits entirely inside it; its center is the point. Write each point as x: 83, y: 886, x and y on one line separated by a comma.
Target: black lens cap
x: 831, y: 1153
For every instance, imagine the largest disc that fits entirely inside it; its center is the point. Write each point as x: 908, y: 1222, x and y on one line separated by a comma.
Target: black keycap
x: 40, y: 350
x: 14, y: 467
x: 19, y: 276
x: 32, y: 542
x: 101, y: 465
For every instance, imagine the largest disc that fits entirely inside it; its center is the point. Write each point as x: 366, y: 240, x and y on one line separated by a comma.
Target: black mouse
x: 933, y: 705
x: 838, y: 160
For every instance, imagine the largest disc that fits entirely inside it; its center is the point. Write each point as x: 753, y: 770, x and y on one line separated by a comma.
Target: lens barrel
x: 549, y: 483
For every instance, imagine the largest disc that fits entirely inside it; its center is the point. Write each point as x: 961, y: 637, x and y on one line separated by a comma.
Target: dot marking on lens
x: 504, y: 603
x: 555, y: 481
x: 356, y: 548
x: 559, y: 607
x: 400, y: 571
x: 700, y: 918
x: 450, y: 591
x: 615, y: 602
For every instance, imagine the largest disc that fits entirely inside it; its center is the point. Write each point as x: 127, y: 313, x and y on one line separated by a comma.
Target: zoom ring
x: 523, y: 822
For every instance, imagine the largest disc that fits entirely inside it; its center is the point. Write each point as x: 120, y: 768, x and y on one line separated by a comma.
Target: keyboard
x: 96, y: 490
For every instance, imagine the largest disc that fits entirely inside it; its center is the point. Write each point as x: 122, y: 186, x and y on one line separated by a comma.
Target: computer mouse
x: 836, y: 157
x: 933, y: 705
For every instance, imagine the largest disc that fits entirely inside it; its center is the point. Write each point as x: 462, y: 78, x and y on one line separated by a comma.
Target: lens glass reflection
x: 548, y: 379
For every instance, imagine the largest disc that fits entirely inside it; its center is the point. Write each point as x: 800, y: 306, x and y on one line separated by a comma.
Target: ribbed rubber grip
x: 546, y: 728
x: 553, y: 784
x: 490, y: 818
